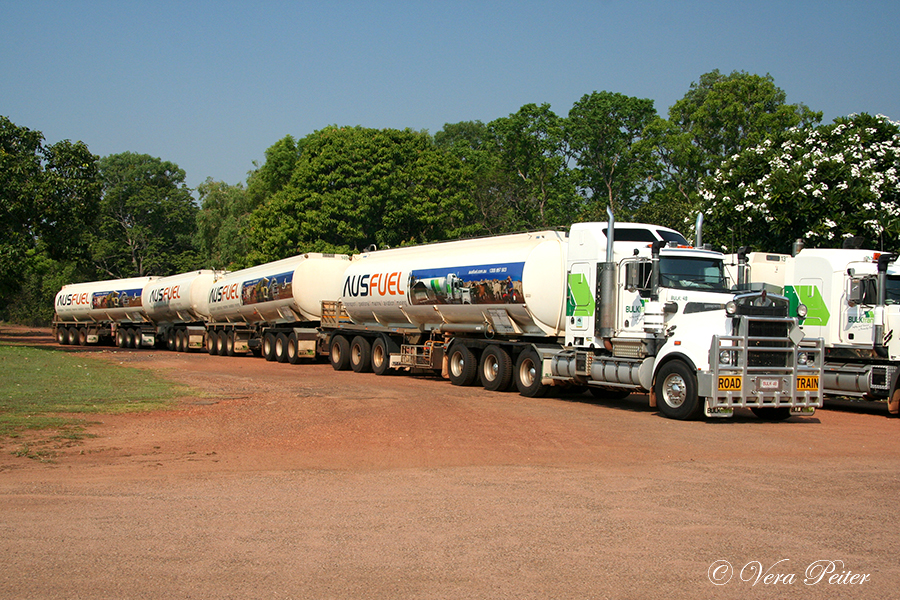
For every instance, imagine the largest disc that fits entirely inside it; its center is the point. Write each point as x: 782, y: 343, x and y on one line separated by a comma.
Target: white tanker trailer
x: 89, y: 313
x: 178, y: 306
x: 545, y: 309
x: 141, y: 311
x: 273, y: 309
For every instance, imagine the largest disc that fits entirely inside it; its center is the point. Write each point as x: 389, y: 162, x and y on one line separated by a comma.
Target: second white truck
x: 852, y: 299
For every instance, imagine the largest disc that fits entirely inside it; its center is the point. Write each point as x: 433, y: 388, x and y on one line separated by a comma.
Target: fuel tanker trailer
x: 615, y: 308
x: 101, y: 311
x: 178, y: 307
x: 273, y: 309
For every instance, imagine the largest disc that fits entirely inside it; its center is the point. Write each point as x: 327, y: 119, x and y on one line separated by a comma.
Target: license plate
x: 769, y: 384
x: 808, y: 383
x: 729, y: 383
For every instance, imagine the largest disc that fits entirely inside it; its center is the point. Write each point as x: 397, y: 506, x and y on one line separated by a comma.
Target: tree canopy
x: 147, y: 218
x: 817, y: 184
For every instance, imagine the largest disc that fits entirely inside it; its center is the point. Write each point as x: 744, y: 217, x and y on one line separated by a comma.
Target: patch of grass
x: 39, y: 388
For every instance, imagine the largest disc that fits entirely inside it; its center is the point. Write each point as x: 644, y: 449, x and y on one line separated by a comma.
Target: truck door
x: 580, y: 302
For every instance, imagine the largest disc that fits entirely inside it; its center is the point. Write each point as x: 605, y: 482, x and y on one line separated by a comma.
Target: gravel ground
x: 280, y: 481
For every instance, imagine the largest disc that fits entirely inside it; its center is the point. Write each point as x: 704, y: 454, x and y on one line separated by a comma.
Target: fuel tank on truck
x: 113, y: 300
x: 183, y: 297
x: 286, y: 290
x: 519, y: 278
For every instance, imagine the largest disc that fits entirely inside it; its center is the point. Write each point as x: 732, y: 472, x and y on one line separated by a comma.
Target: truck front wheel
x: 676, y: 391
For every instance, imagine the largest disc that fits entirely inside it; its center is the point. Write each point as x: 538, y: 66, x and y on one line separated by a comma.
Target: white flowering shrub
x: 818, y: 184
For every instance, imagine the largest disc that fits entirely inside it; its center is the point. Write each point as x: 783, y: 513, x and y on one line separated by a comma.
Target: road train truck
x: 273, y: 309
x: 136, y: 312
x: 852, y: 298
x: 615, y: 308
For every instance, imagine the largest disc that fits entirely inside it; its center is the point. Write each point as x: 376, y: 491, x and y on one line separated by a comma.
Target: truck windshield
x: 693, y: 273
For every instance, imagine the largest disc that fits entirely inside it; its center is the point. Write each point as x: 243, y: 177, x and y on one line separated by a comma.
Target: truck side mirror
x: 632, y: 276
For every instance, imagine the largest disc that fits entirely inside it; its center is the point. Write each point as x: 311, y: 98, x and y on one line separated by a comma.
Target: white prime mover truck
x: 852, y: 299
x: 616, y: 308
x: 136, y: 312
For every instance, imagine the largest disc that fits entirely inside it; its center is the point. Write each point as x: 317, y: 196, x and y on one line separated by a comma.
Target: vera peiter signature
x: 818, y: 572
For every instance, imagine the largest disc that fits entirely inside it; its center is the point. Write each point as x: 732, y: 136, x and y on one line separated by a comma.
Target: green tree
x: 147, y: 218
x: 224, y: 212
x: 602, y: 132
x: 718, y: 117
x: 48, y: 200
x: 820, y: 184
x: 529, y: 184
x: 353, y: 187
x: 275, y: 173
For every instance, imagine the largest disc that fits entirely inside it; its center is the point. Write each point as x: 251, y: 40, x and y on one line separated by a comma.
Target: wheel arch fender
x: 672, y: 356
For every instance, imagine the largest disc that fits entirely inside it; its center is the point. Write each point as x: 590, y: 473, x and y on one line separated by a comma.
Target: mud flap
x: 894, y: 398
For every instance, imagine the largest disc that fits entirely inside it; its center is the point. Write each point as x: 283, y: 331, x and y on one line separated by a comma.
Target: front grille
x: 760, y: 334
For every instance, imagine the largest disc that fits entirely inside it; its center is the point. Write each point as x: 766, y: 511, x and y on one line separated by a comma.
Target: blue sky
x: 211, y: 85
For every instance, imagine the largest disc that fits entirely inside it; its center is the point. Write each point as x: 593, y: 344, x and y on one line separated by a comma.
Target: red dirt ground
x: 280, y: 481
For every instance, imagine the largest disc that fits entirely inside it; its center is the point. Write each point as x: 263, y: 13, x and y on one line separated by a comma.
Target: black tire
x: 339, y: 353
x: 381, y: 357
x: 121, y: 338
x: 72, y: 336
x: 676, y: 391
x: 609, y: 393
x: 527, y: 375
x: 131, y: 340
x: 770, y: 413
x: 360, y: 355
x: 281, y: 348
x: 462, y: 365
x: 495, y: 369
x: 178, y: 343
x: 293, y: 351
x: 229, y: 344
x: 268, y: 347
x: 62, y: 336
x: 212, y: 342
x: 82, y: 337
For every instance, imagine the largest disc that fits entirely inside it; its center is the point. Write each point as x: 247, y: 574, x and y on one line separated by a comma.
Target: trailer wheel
x: 177, y: 340
x: 528, y: 375
x: 268, y: 347
x: 676, y: 391
x: 129, y: 338
x: 120, y: 338
x: 463, y: 365
x: 381, y: 357
x: 340, y: 353
x: 496, y: 369
x: 771, y: 413
x: 281, y: 344
x: 360, y: 355
x: 293, y: 352
x: 229, y: 344
x: 212, y: 342
x: 62, y: 336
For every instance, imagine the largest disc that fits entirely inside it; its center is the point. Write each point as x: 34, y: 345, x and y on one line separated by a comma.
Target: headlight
x: 731, y: 308
x: 802, y: 358
x: 801, y: 311
x: 725, y: 357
